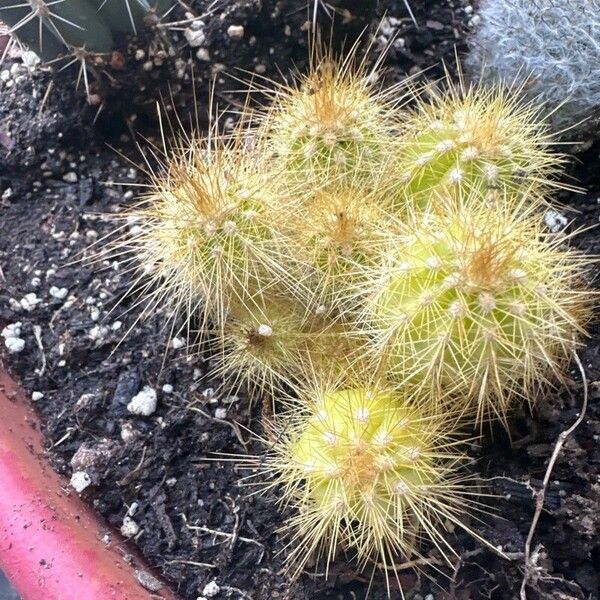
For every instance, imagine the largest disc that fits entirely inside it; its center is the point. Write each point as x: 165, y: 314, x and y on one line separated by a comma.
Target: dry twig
x: 540, y: 495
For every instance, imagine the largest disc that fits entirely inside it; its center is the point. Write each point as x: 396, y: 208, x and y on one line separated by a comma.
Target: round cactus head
x: 205, y: 234
x: 464, y: 137
x: 367, y: 472
x: 336, y: 229
x: 479, y: 300
x: 264, y: 340
x: 333, y: 124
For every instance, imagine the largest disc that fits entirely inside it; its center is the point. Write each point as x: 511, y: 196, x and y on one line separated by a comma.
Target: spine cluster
x: 391, y: 267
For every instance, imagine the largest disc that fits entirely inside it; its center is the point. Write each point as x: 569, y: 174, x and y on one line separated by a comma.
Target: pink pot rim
x: 51, y: 543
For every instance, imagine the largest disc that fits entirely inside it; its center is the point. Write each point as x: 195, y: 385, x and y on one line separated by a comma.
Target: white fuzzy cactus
x: 551, y: 48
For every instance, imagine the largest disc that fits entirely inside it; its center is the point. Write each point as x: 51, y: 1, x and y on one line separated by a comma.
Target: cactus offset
x: 333, y: 124
x: 476, y: 299
x: 268, y: 340
x: 472, y: 137
x: 206, y: 235
x: 367, y: 471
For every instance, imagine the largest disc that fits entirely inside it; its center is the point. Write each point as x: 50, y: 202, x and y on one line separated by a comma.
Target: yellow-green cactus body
x: 334, y: 231
x: 332, y: 126
x: 478, y: 301
x: 360, y: 447
x: 462, y: 139
x: 271, y: 341
x: 368, y: 469
x: 264, y: 342
x: 207, y: 234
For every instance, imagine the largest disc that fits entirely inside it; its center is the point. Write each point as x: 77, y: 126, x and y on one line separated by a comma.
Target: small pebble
x: 211, y: 589
x: 80, y: 480
x: 35, y: 396
x: 58, y: 293
x: 194, y: 37
x: 221, y: 413
x: 97, y: 332
x: 12, y: 341
x: 555, y: 221
x: 29, y: 302
x: 148, y: 581
x: 144, y: 402
x: 177, y: 343
x: 203, y: 54
x: 70, y: 177
x: 129, y: 528
x: 128, y: 433
x: 167, y: 388
x: 30, y: 59
x: 235, y: 32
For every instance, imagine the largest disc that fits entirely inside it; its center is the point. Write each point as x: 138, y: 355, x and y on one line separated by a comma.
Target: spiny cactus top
x: 333, y: 230
x: 367, y: 471
x: 476, y: 299
x: 333, y: 124
x: 463, y: 137
x: 549, y: 46
x: 207, y: 235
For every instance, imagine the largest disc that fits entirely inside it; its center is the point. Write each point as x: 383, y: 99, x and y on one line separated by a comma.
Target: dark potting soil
x: 61, y: 185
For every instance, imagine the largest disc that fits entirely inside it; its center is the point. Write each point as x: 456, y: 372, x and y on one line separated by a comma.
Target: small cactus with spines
x: 475, y: 301
x: 206, y: 235
x: 332, y: 125
x: 263, y: 342
x: 468, y: 136
x: 334, y: 230
x: 368, y: 471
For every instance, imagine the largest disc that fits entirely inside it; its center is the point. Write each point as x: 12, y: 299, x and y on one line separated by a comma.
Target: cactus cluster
x: 388, y: 267
x: 550, y: 48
